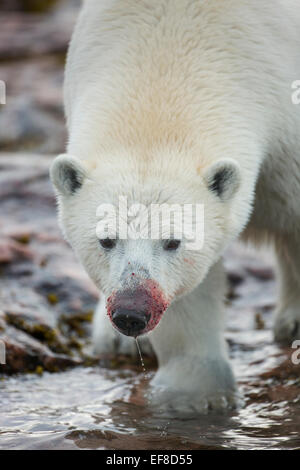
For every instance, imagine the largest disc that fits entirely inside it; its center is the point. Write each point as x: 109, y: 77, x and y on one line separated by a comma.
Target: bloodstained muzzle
x: 137, y: 310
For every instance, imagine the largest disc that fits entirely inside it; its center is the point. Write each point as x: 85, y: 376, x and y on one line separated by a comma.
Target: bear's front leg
x: 194, y: 372
x: 287, y: 319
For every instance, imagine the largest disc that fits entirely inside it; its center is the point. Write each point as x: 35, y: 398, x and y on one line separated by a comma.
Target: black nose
x: 130, y: 322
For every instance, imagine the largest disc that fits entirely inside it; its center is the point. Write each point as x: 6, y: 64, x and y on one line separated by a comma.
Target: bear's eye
x: 171, y: 245
x: 107, y: 243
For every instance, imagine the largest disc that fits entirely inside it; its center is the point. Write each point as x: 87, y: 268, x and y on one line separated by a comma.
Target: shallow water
x: 101, y: 408
x: 97, y: 408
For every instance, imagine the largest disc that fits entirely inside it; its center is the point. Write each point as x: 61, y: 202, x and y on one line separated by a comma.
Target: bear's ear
x: 223, y: 178
x: 67, y: 174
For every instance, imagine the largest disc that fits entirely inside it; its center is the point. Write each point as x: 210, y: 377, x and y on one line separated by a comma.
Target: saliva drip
x: 164, y: 428
x: 140, y: 354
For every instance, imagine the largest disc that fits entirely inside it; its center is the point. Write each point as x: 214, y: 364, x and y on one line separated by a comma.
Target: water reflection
x: 99, y: 408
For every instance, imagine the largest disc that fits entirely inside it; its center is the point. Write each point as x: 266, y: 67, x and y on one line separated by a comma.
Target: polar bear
x: 184, y: 102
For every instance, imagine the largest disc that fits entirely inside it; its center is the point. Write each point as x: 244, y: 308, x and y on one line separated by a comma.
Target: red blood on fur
x: 146, y: 296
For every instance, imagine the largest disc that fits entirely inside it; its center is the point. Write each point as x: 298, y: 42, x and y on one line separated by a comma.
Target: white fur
x: 158, y: 94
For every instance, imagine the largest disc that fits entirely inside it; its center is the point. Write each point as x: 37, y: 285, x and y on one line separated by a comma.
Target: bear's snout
x: 137, y: 310
x: 130, y: 322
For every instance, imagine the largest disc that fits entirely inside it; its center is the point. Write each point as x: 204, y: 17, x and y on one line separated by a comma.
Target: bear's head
x: 145, y: 238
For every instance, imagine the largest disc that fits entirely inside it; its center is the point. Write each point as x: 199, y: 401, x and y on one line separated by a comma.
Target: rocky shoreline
x: 46, y: 299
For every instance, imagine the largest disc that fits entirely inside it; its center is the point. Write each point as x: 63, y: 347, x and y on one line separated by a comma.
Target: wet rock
x: 11, y: 250
x: 259, y: 321
x: 32, y: 55
x: 27, y: 5
x: 32, y: 118
x: 26, y: 125
x: 34, y: 35
x: 98, y: 439
x: 26, y: 354
x: 286, y: 370
x: 46, y: 299
x: 37, y: 327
